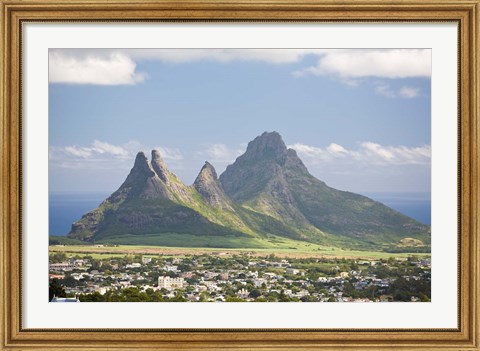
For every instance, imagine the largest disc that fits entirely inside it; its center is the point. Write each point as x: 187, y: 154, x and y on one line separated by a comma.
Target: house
x: 133, y: 265
x: 242, y: 293
x: 64, y: 299
x: 63, y: 266
x: 292, y: 271
x: 170, y: 268
x: 102, y: 290
x: 170, y: 283
x: 146, y: 259
x: 211, y: 285
x: 259, y: 282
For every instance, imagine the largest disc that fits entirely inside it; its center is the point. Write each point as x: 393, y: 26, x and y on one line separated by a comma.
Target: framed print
x: 250, y: 175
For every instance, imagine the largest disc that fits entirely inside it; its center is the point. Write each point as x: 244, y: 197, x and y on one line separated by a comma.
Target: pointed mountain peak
x: 140, y: 158
x: 159, y: 166
x: 269, y: 145
x: 209, y: 187
x: 294, y: 162
x: 142, y: 166
x: 207, y: 177
x: 208, y: 171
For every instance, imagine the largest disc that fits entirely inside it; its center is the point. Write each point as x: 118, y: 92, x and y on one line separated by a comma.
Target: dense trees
x: 55, y: 289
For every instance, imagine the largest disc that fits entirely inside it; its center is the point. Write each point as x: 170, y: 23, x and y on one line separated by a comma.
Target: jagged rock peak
x: 267, y: 145
x: 208, y: 171
x: 209, y: 187
x: 142, y: 165
x: 159, y: 165
x: 206, y: 178
x: 294, y: 162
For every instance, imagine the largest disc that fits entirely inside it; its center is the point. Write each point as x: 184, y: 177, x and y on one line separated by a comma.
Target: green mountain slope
x: 266, y: 195
x: 154, y: 202
x: 280, y: 185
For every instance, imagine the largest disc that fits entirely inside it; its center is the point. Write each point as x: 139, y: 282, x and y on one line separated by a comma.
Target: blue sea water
x: 64, y: 208
x: 415, y: 205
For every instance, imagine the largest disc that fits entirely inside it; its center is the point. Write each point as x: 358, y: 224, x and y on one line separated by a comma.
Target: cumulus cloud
x: 96, y: 149
x: 367, y: 153
x: 394, y: 63
x: 113, y: 69
x: 105, y: 155
x: 118, y: 66
x: 274, y: 56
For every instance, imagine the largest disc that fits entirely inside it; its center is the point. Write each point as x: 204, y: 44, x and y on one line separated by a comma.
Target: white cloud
x: 368, y: 153
x: 220, y: 153
x: 408, y: 92
x: 79, y: 151
x: 376, y: 150
x: 96, y: 150
x: 105, y: 155
x: 118, y: 66
x: 102, y: 147
x: 393, y: 63
x: 170, y: 153
x: 274, y: 56
x: 337, y: 149
x: 113, y: 69
x: 385, y: 90
x: 404, y: 92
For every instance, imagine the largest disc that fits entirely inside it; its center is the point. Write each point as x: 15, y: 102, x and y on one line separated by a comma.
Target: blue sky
x: 359, y: 119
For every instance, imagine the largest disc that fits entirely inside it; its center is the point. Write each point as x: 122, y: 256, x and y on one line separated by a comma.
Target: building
x: 63, y: 266
x: 146, y: 259
x: 170, y: 283
x: 133, y: 265
x: 170, y: 268
x: 64, y: 299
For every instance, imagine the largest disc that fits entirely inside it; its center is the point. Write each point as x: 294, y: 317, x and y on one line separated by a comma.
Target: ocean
x: 64, y: 208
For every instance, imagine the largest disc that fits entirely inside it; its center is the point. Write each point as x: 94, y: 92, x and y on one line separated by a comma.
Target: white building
x: 211, y: 285
x: 133, y: 265
x: 64, y: 299
x: 243, y: 293
x: 170, y: 283
x: 259, y: 282
x: 63, y: 266
x: 170, y: 268
x: 102, y: 290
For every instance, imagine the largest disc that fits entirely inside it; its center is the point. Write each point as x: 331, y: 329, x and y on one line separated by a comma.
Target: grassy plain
x: 307, y: 250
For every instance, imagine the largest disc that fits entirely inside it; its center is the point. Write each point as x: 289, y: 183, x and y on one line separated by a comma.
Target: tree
x: 56, y: 289
x: 69, y: 281
x: 255, y: 293
x: 58, y: 257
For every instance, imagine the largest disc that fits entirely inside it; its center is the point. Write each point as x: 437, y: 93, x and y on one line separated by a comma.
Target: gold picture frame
x: 14, y: 13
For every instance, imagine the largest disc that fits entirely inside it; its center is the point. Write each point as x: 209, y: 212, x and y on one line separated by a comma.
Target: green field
x: 304, y: 250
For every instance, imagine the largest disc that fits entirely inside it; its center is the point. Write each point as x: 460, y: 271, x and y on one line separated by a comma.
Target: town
x: 236, y: 277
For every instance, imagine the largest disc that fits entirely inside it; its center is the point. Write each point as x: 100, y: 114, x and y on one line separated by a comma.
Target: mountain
x: 265, y: 198
x: 271, y: 179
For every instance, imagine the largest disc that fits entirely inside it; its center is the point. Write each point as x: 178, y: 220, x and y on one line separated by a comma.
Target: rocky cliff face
x: 267, y: 191
x: 280, y: 185
x: 141, y: 182
x: 209, y: 187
